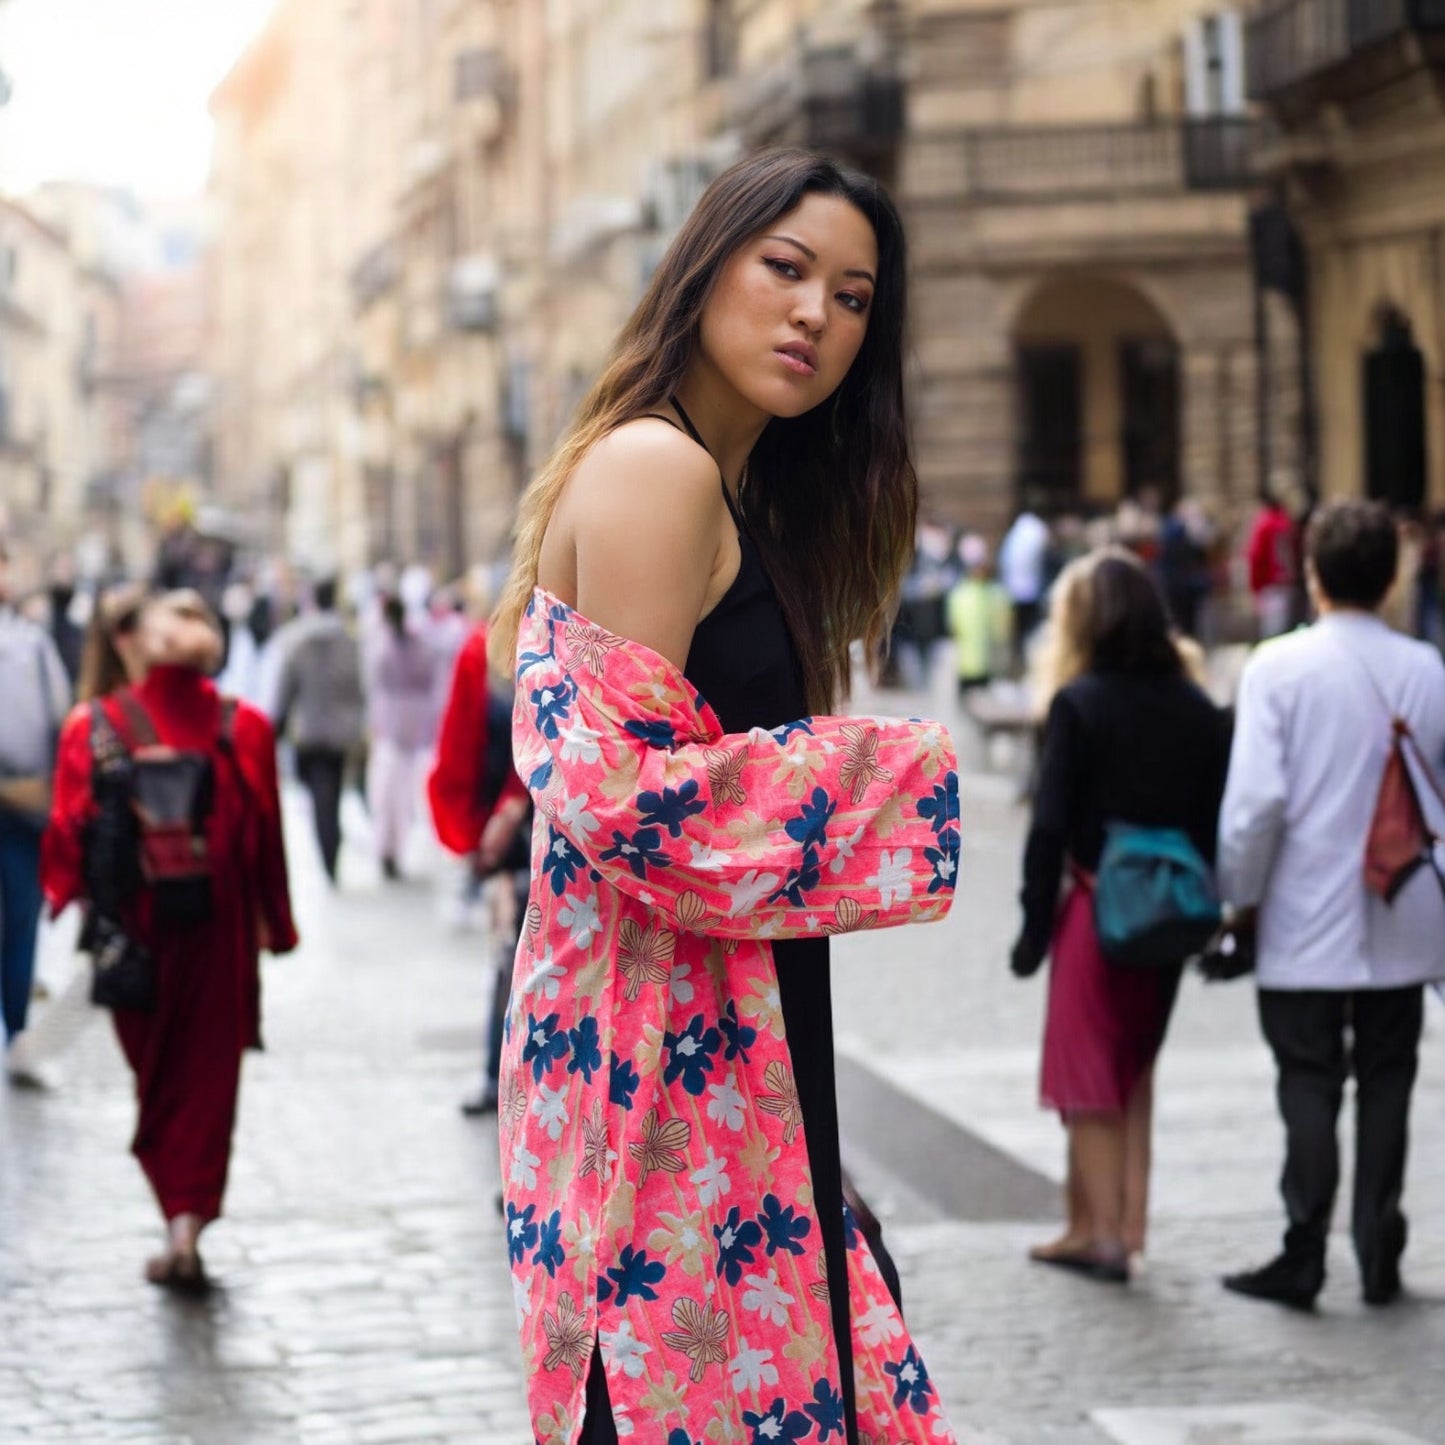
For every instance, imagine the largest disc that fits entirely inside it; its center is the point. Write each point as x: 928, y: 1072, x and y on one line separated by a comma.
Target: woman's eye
x: 784, y: 268
x: 853, y: 303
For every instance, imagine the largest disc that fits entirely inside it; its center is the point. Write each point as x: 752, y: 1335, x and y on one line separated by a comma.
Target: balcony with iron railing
x: 1293, y: 44
x: 1057, y: 163
x: 826, y: 97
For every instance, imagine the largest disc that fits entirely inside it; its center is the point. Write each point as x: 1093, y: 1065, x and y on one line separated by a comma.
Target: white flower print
x: 524, y: 1167
x: 575, y: 818
x: 750, y: 1368
x: 677, y: 984
x: 580, y: 918
x: 521, y: 1300
x: 579, y: 743
x: 843, y: 849
x: 550, y: 1106
x: 726, y: 1104
x: 623, y: 1350
x: 705, y: 859
x: 544, y: 975
x: 892, y: 880
x: 767, y: 1297
x: 711, y: 1180
x: 750, y: 890
x: 878, y: 1326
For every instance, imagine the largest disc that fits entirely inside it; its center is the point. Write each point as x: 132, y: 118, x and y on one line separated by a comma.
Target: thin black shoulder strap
x: 692, y: 431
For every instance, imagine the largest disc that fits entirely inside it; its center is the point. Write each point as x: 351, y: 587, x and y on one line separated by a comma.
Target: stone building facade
x: 59, y: 320
x: 434, y: 215
x: 1358, y: 165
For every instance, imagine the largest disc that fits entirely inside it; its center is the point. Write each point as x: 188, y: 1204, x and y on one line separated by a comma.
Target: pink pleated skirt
x: 1105, y: 1024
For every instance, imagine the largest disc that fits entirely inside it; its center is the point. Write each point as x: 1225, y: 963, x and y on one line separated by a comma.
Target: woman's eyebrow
x: 812, y: 255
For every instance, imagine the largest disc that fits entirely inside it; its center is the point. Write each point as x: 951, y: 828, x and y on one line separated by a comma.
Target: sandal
x: 1106, y: 1269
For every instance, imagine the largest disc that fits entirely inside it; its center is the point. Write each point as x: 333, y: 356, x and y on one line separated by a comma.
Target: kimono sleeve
x: 824, y: 825
x: 62, y: 849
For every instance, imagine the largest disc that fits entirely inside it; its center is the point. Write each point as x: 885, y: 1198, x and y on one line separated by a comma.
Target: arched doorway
x: 1097, y: 377
x: 1394, y: 406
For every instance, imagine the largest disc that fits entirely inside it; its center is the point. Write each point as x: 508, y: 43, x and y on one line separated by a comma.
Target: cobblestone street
x: 363, y: 1290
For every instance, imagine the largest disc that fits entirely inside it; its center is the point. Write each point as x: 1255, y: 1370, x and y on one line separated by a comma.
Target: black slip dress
x: 745, y: 664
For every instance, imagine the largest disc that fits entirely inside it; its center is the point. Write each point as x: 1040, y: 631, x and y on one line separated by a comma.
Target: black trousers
x: 1307, y: 1031
x: 321, y: 771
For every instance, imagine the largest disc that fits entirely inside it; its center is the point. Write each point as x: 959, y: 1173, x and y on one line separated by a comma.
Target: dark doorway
x: 1149, y: 398
x: 1394, y: 381
x: 1050, y: 425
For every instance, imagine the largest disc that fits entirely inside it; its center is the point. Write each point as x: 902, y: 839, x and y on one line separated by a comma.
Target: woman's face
x: 790, y: 308
x: 177, y: 636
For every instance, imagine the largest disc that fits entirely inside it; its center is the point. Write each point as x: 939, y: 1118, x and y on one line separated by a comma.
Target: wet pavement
x: 363, y: 1290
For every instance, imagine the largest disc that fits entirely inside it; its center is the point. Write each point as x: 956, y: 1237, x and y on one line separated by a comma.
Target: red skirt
x: 1105, y: 1025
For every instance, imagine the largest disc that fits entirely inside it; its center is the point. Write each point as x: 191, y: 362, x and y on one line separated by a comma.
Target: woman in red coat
x: 479, y: 804
x: 186, y: 1052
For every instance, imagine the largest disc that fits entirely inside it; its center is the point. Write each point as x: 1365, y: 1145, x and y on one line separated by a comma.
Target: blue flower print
x: 690, y: 1055
x: 653, y: 731
x: 521, y: 1231
x: 739, y: 1035
x: 586, y: 1051
x: 550, y: 1253
x: 622, y: 1082
x: 802, y: 725
x: 785, y: 1230
x: 681, y: 1437
x: 736, y: 1239
x: 851, y: 1235
x: 634, y: 1275
x: 545, y: 1045
x: 912, y: 1382
x: 810, y: 827
x: 800, y: 880
x: 672, y: 807
x: 777, y: 1425
x: 561, y: 862
x: 642, y: 848
x: 827, y: 1410
x: 553, y: 705
x: 945, y: 864
x: 941, y: 808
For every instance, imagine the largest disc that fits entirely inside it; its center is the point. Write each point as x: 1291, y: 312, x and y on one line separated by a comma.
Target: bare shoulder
x: 645, y: 468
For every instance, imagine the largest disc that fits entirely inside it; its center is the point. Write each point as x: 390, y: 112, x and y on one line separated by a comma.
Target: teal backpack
x: 1155, y: 900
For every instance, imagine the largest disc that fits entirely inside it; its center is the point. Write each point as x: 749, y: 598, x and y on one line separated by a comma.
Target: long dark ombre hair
x: 830, y: 496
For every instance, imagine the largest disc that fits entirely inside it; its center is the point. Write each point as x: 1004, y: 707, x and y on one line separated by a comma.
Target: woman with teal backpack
x: 1131, y: 774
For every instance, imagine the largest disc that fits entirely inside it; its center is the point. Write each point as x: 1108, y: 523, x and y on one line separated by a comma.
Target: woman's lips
x: 796, y: 363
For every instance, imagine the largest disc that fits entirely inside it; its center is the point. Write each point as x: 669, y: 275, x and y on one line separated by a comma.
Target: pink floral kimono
x: 658, y: 1191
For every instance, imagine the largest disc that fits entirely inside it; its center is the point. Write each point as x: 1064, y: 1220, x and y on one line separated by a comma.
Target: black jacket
x: 1134, y: 747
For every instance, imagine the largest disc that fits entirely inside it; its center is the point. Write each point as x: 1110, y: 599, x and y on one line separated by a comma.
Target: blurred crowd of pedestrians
x: 1233, y: 581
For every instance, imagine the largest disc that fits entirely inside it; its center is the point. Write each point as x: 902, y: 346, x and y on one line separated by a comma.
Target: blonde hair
x: 1066, y: 650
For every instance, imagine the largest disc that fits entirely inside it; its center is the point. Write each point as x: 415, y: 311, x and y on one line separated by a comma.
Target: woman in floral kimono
x: 733, y: 509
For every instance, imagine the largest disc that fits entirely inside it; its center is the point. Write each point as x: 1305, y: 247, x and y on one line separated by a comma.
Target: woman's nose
x: 810, y: 308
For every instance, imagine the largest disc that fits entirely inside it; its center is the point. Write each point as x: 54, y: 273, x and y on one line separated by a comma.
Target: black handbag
x: 124, y: 971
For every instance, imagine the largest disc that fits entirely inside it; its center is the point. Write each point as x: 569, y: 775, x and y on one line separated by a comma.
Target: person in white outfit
x: 402, y: 692
x: 1341, y: 973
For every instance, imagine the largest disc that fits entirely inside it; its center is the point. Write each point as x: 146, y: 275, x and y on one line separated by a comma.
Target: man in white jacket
x: 1311, y: 741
